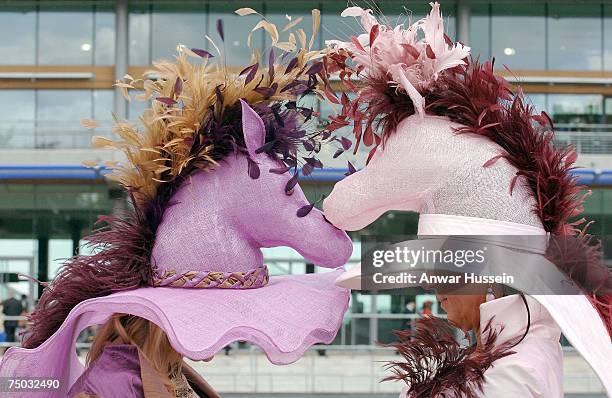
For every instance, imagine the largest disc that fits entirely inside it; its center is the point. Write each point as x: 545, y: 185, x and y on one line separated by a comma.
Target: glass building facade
x: 59, y: 60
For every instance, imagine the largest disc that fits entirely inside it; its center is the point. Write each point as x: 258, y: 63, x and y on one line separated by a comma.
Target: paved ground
x: 342, y: 374
x: 358, y: 396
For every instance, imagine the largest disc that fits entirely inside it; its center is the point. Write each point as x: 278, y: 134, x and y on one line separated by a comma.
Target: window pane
x: 237, y: 29
x: 59, y: 251
x: 103, y: 101
x: 276, y: 13
x: 407, y: 13
x: 575, y: 108
x: 16, y: 118
x: 58, y: 115
x: 173, y: 25
x: 105, y: 37
x: 608, y: 110
x: 538, y: 101
x: 65, y: 37
x: 334, y: 27
x: 136, y: 108
x: 139, y: 30
x: 574, y: 37
x: 17, y: 28
x: 518, y: 35
x: 607, y: 37
x: 394, y: 13
x: 480, y: 37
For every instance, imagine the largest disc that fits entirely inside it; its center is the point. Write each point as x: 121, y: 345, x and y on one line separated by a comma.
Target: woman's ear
x: 253, y: 129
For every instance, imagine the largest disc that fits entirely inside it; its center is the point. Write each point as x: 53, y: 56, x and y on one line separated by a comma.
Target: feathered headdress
x: 403, y: 62
x: 194, y: 121
x: 194, y: 118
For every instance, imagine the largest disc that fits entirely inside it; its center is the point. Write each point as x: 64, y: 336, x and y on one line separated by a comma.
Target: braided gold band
x: 251, y: 279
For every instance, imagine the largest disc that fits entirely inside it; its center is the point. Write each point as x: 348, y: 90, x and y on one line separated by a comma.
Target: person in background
x: 21, y: 332
x: 411, y: 310
x: 24, y: 302
x: 427, y: 308
x: 11, y: 307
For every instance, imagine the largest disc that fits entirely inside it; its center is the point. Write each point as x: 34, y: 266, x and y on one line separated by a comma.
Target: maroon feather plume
x: 486, y: 105
x: 121, y: 262
x: 434, y: 364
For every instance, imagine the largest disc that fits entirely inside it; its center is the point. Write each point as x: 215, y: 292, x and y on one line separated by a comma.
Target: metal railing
x: 588, y: 138
x: 45, y: 135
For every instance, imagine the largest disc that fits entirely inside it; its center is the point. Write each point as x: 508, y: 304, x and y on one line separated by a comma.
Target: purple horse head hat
x: 212, y: 175
x: 221, y: 245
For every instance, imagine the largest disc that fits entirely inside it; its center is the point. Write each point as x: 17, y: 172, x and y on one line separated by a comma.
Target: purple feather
x: 307, y: 169
x: 346, y: 143
x: 314, y: 162
x: 351, y: 169
x: 202, y: 53
x: 291, y: 184
x: 291, y: 65
x: 308, y: 145
x: 166, y: 100
x: 315, y: 68
x: 219, y: 94
x: 305, y: 210
x: 220, y: 29
x: 178, y: 86
x: 251, y: 71
x: 271, y: 59
x: 280, y: 170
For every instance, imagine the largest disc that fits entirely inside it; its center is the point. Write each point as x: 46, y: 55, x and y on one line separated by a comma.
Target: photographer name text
x: 427, y: 279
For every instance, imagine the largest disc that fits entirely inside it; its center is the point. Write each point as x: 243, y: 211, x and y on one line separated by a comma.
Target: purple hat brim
x: 284, y: 319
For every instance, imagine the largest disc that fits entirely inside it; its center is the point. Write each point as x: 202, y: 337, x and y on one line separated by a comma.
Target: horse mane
x: 485, y: 104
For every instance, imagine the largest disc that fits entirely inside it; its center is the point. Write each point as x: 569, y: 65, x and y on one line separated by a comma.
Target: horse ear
x: 253, y: 129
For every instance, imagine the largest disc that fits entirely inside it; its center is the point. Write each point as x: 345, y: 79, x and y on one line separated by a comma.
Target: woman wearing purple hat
x: 212, y: 177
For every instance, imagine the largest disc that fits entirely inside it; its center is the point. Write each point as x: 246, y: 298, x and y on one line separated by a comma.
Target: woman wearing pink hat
x: 212, y: 176
x: 452, y: 141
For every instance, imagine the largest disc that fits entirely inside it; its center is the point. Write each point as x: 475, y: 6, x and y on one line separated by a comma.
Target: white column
x: 463, y: 21
x: 121, y: 54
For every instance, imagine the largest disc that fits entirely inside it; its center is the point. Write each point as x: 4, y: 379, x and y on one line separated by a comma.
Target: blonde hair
x: 147, y: 336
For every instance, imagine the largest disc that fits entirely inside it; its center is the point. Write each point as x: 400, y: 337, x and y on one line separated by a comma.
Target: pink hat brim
x: 284, y: 319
